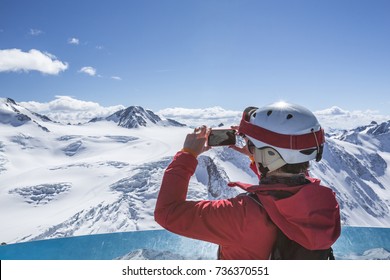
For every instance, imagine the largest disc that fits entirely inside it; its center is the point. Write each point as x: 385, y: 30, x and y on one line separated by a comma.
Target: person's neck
x: 284, y: 178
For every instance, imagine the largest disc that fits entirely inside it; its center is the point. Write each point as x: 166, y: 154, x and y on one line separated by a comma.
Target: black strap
x: 255, y: 198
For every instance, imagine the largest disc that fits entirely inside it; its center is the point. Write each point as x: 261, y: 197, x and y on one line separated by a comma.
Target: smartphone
x: 222, y: 137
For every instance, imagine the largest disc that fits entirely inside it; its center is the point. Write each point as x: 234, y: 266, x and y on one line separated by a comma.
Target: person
x: 281, y: 139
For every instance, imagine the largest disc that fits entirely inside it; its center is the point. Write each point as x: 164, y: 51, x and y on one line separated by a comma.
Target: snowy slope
x: 81, y: 180
x: 99, y: 177
x: 356, y: 166
x: 16, y: 115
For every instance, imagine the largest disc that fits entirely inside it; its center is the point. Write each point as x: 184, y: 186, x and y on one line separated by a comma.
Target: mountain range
x: 59, y: 180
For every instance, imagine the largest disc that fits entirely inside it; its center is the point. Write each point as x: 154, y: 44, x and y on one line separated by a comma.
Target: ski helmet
x: 282, y: 133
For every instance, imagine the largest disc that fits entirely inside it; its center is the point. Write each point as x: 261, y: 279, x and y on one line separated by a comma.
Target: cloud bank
x: 15, y: 60
x: 335, y: 117
x: 212, y: 116
x: 66, y: 109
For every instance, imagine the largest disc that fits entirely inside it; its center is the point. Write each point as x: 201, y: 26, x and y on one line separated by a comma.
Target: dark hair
x: 295, y: 168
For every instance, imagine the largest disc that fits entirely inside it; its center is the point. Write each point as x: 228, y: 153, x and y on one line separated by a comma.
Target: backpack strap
x: 254, y: 197
x: 331, y: 255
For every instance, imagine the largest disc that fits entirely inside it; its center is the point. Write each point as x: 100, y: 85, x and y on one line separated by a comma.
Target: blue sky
x: 198, y: 54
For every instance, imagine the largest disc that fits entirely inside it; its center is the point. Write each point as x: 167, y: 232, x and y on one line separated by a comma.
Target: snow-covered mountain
x: 136, y: 116
x: 356, y: 166
x: 16, y: 115
x: 102, y: 177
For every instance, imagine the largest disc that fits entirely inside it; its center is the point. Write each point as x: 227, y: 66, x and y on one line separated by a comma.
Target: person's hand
x: 195, y: 143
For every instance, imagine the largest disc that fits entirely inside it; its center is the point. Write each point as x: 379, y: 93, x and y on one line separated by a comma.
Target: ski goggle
x: 251, y: 147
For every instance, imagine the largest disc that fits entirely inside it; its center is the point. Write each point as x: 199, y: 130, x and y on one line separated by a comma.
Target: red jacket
x: 242, y: 228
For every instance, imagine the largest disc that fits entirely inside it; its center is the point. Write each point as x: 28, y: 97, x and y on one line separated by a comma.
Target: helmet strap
x: 320, y: 148
x: 263, y: 170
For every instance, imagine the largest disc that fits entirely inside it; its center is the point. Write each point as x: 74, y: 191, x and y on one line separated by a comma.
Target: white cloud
x: 73, y: 41
x: 15, y: 60
x: 209, y: 116
x: 35, y: 32
x: 67, y: 109
x: 88, y: 70
x: 333, y: 111
x: 116, y: 78
x: 336, y: 117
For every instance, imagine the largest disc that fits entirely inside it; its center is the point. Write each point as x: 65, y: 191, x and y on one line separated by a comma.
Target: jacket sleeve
x: 221, y: 221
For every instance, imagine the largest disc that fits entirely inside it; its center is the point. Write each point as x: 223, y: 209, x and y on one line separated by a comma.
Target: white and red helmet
x: 291, y: 130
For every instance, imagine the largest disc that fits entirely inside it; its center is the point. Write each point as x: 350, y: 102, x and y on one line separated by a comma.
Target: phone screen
x: 222, y: 137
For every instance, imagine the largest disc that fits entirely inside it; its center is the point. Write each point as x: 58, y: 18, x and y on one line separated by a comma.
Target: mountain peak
x: 136, y: 116
x: 379, y: 129
x: 10, y: 113
x: 133, y: 117
x: 9, y: 101
x: 16, y: 115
